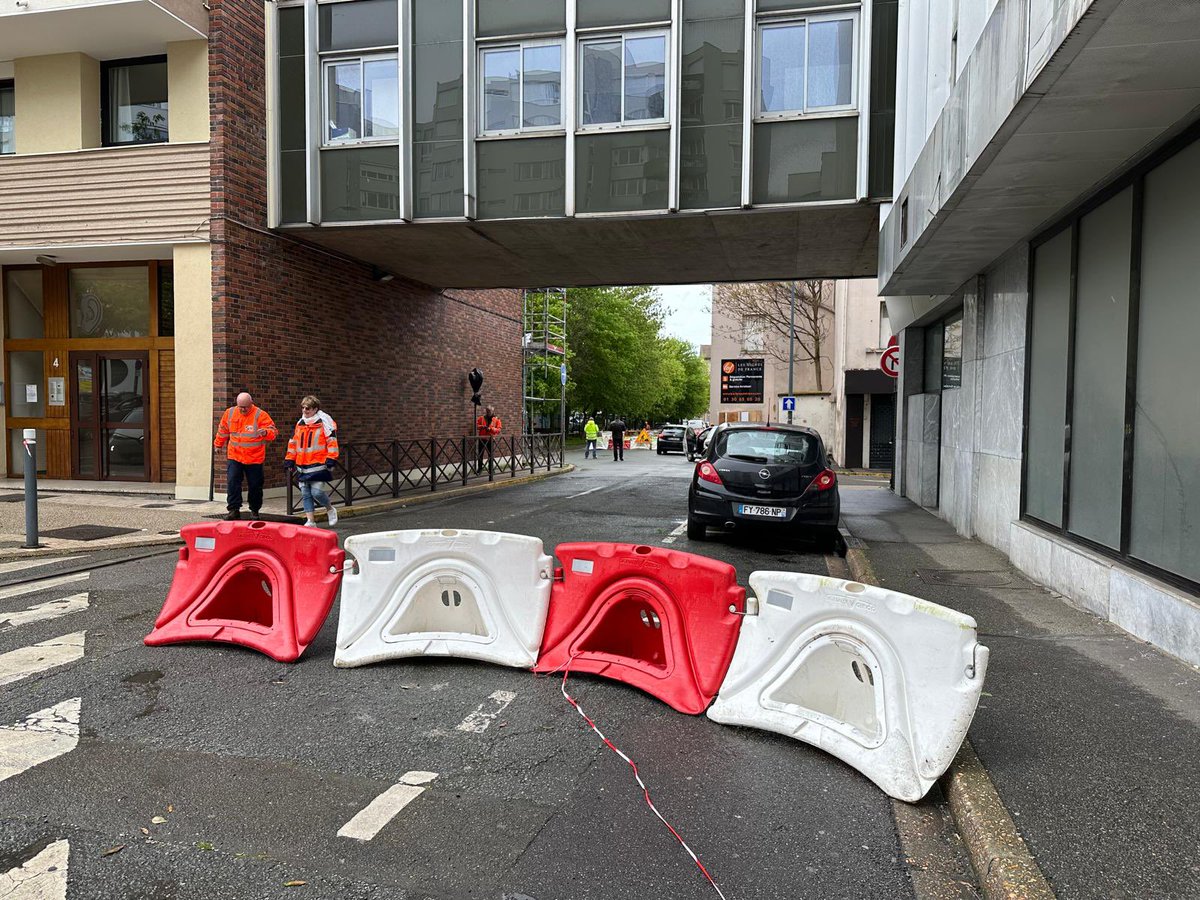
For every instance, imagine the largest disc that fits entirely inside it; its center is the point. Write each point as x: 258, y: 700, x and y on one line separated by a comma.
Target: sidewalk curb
x: 345, y: 512
x: 1004, y: 867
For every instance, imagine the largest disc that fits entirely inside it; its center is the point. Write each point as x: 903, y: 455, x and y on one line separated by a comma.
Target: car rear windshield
x: 791, y: 447
x: 672, y: 432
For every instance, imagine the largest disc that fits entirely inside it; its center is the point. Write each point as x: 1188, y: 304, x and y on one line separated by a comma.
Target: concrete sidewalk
x: 1091, y: 736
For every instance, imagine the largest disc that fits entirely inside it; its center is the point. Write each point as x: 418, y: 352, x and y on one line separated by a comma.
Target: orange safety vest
x: 247, y: 434
x: 484, y: 430
x: 310, y: 448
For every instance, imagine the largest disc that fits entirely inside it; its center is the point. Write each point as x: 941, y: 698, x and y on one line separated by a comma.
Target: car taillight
x: 706, y: 471
x: 825, y: 480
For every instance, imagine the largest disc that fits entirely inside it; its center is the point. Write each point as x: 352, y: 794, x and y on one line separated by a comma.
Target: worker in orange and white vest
x: 247, y: 429
x: 487, y: 427
x: 312, y: 453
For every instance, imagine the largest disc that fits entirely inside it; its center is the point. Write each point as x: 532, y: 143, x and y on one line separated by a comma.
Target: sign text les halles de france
x: 742, y: 380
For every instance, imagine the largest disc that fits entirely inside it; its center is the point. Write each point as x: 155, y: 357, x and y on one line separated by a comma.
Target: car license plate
x: 769, y: 512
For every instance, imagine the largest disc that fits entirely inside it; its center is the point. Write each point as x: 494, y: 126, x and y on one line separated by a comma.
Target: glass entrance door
x: 109, y: 437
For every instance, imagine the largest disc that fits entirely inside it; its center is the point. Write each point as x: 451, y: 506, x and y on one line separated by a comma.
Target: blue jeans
x: 590, y: 448
x: 253, y: 473
x: 312, y: 493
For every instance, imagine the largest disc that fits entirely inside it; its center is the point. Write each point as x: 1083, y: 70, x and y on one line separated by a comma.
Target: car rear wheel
x: 696, y: 531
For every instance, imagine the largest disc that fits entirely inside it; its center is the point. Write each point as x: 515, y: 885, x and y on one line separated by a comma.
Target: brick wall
x: 387, y: 360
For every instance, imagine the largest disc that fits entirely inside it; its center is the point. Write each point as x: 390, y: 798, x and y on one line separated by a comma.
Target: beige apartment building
x: 852, y: 404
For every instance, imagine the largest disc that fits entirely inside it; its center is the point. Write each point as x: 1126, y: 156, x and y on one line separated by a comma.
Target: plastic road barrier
x: 884, y: 681
x: 263, y: 585
x: 661, y: 620
x: 475, y: 594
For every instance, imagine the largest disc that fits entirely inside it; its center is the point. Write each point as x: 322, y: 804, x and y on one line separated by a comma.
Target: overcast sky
x: 690, y: 312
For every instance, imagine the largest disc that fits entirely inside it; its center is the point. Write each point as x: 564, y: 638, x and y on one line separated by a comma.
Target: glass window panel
x: 801, y: 161
x: 343, y: 101
x: 952, y: 339
x: 8, y: 118
x: 110, y: 301
x: 624, y: 171
x: 16, y: 451
x: 590, y: 13
x: 710, y: 167
x: 541, y: 91
x: 291, y: 103
x: 775, y: 5
x: 501, y: 86
x: 437, y: 92
x: 358, y: 25
x: 521, y: 178
x: 601, y: 82
x: 711, y: 72
x: 645, y: 77
x: 381, y: 98
x: 1166, y: 435
x: 291, y: 31
x: 694, y: 10
x: 166, y: 300
x: 437, y: 21
x: 125, y: 452
x: 360, y: 184
x: 1101, y: 347
x: 438, y: 179
x: 27, y: 388
x: 137, y: 103
x: 830, y: 63
x: 1048, y: 379
x: 511, y: 17
x: 85, y: 441
x: 293, y: 186
x: 23, y: 304
x: 782, y: 74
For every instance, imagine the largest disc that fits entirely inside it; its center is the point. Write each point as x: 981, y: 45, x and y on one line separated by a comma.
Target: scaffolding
x: 544, y: 318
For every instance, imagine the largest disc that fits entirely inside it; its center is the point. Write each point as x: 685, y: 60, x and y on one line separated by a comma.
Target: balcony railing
x: 382, y: 469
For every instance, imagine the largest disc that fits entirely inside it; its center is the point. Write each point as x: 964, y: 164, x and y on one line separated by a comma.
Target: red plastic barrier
x: 263, y: 585
x: 654, y: 618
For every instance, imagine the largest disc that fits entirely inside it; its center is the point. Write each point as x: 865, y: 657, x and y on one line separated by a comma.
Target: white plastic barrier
x: 475, y: 594
x: 884, y: 681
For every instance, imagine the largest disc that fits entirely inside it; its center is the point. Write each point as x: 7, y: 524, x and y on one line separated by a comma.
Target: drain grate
x: 959, y: 578
x: 88, y: 532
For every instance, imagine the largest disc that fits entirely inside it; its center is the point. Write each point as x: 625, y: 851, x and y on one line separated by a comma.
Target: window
x: 109, y: 301
x: 362, y: 100
x: 521, y: 87
x: 134, y: 101
x: 807, y: 66
x: 623, y: 79
x: 952, y: 340
x: 8, y: 117
x: 166, y: 300
x: 885, y: 324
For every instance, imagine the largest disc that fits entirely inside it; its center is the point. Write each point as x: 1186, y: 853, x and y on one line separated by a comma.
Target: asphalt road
x: 208, y: 771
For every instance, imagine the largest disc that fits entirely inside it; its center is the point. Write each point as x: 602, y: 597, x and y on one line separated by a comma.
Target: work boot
x: 254, y: 513
x: 233, y: 515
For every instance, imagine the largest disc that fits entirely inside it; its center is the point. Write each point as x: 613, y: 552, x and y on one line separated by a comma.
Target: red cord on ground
x: 638, y: 778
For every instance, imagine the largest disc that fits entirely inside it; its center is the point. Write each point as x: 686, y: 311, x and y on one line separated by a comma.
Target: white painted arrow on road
x: 40, y: 612
x: 478, y: 721
x: 40, y: 737
x: 42, y: 878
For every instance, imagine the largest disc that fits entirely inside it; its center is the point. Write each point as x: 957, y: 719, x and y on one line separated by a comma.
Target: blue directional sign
x: 788, y: 404
x: 562, y: 373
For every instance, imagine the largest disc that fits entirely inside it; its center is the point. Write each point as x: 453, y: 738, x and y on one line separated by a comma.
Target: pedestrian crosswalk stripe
x: 40, y: 737
x: 40, y: 612
x: 45, y: 584
x: 24, y: 564
x: 40, y: 657
x: 43, y: 877
x: 370, y: 820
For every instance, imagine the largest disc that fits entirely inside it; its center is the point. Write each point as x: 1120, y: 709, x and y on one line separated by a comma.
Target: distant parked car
x: 696, y: 441
x: 670, y: 438
x: 774, y: 476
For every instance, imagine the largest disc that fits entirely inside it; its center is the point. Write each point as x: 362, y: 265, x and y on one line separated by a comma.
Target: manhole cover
x: 958, y: 578
x: 88, y: 532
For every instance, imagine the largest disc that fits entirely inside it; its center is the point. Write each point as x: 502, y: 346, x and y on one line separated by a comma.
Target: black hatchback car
x: 774, y: 476
x: 670, y: 438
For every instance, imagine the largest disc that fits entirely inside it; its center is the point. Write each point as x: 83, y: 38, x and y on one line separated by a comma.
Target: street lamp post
x: 792, y: 350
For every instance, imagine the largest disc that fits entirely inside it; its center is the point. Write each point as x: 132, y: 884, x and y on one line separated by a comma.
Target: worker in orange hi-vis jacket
x: 487, y: 426
x: 247, y: 430
x: 311, y: 455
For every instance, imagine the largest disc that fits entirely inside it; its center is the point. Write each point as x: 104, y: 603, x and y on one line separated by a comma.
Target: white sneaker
x: 310, y: 524
x: 333, y: 516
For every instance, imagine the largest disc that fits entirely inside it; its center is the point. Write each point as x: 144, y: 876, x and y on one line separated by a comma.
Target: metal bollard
x: 29, y: 440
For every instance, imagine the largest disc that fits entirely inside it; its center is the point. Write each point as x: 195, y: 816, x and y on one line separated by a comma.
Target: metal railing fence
x: 374, y: 469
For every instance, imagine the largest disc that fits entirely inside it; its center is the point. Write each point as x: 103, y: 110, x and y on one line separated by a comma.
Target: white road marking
x: 20, y: 590
x: 42, y: 736
x: 33, y: 563
x: 44, y: 877
x: 39, y: 657
x: 588, y: 491
x: 680, y: 529
x: 51, y: 609
x: 478, y: 721
x: 370, y: 820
